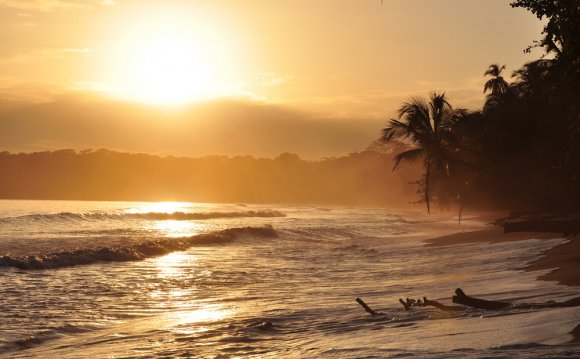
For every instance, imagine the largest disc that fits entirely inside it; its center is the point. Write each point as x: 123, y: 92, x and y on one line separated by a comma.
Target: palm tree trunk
x: 427, y: 177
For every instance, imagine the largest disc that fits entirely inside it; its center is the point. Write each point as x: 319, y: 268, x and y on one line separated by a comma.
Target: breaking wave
x: 134, y: 252
x: 156, y: 216
x: 39, y: 338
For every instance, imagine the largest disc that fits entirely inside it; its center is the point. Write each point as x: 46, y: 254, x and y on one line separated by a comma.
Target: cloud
x: 15, y: 91
x: 271, y: 79
x: 43, y: 53
x: 53, y: 5
x: 77, y: 50
x: 43, y: 5
x: 221, y: 127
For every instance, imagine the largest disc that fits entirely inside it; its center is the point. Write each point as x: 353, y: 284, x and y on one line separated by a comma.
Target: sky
x: 319, y: 78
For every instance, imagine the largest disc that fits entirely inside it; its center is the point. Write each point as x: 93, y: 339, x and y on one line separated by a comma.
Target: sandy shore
x: 564, y: 259
x: 576, y: 333
x: 487, y: 235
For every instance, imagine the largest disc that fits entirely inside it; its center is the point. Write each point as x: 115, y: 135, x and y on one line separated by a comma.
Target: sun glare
x: 165, y: 56
x: 160, y: 207
x: 175, y: 229
x: 168, y: 68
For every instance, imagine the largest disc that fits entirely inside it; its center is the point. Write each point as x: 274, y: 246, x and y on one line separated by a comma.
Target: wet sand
x: 487, y: 235
x: 564, y: 259
x: 576, y: 333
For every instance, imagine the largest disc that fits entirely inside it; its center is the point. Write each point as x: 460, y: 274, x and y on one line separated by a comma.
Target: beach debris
x: 367, y: 308
x: 467, y: 301
x: 461, y: 298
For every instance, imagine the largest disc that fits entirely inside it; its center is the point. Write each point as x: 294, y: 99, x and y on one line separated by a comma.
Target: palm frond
x: 409, y: 156
x: 397, y: 129
x: 415, y: 113
x: 494, y: 70
x: 414, y: 107
x: 497, y: 85
x: 450, y: 118
x: 439, y: 101
x: 488, y: 85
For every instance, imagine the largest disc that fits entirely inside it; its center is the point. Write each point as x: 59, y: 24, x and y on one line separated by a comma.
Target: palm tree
x: 536, y: 79
x: 496, y: 84
x: 427, y: 127
x: 434, y: 129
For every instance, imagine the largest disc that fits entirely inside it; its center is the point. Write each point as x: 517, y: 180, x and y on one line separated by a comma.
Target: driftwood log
x: 466, y: 301
x: 461, y: 298
x: 366, y: 307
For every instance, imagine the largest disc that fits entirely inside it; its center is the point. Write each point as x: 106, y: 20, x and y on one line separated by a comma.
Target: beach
x: 289, y: 179
x: 138, y: 279
x: 562, y: 261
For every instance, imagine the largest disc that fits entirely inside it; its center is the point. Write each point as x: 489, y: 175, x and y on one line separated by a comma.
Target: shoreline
x: 563, y: 259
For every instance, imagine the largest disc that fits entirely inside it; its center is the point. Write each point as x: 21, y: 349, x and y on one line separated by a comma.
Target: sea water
x: 138, y: 280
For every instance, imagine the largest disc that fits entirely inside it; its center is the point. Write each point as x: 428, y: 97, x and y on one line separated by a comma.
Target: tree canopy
x: 561, y: 31
x: 523, y: 149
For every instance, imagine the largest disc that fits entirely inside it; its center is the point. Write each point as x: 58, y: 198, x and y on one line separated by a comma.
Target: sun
x: 169, y: 68
x: 165, y: 56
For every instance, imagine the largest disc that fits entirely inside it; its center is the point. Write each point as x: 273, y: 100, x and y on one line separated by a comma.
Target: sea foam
x: 134, y: 252
x: 179, y: 216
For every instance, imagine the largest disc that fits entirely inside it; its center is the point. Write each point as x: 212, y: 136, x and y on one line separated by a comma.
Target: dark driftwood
x: 366, y: 307
x: 462, y: 298
x: 438, y: 305
x: 406, y: 304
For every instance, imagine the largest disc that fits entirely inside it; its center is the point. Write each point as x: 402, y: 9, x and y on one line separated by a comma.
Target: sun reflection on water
x: 210, y: 313
x: 192, y: 321
x: 172, y: 265
x: 185, y: 314
x: 173, y: 228
x: 175, y: 289
x: 169, y: 227
x: 161, y: 207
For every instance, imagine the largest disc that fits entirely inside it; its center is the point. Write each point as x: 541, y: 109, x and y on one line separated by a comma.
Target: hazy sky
x: 314, y: 77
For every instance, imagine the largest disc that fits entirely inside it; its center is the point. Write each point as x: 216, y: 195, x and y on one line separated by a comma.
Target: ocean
x: 179, y: 280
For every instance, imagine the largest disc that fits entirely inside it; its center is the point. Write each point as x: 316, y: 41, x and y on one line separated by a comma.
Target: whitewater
x: 174, y: 280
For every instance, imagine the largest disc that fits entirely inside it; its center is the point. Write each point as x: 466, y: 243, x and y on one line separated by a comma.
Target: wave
x: 207, y: 215
x: 134, y: 252
x: 42, y: 337
x: 159, y: 216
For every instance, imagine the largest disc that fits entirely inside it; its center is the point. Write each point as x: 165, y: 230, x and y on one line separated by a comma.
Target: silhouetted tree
x: 524, y: 147
x: 496, y: 84
x: 427, y: 126
x: 562, y: 41
x: 562, y: 28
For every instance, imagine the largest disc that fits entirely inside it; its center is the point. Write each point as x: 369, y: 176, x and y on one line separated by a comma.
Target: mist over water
x: 138, y: 280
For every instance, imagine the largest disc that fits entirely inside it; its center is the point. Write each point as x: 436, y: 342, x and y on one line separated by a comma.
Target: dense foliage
x: 523, y: 148
x: 357, y: 179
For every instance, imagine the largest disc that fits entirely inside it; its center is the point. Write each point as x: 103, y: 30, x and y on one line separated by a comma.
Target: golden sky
x: 259, y: 77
